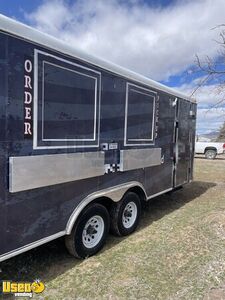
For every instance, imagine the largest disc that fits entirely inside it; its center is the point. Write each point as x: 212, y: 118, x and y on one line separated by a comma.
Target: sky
x: 159, y: 39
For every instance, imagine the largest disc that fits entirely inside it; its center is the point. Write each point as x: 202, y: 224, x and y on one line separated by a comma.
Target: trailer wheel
x: 210, y: 154
x: 125, y: 214
x: 90, y: 232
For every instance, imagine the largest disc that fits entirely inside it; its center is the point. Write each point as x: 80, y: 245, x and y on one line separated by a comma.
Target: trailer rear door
x: 183, y: 143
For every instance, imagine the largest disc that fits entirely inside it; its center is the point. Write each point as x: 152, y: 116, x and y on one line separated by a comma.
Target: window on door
x: 139, y: 116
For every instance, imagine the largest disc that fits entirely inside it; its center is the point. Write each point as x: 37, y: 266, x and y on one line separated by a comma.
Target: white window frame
x: 136, y: 89
x: 37, y: 137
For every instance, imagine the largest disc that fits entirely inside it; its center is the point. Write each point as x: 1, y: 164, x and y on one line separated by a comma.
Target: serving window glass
x: 67, y: 103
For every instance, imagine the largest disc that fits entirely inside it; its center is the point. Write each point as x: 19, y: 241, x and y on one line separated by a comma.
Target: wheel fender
x: 114, y: 193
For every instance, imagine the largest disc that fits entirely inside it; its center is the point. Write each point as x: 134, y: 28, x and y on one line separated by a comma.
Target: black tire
x: 117, y: 211
x: 75, y: 242
x: 210, y: 154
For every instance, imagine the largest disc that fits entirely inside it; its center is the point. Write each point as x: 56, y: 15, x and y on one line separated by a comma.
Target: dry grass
x: 178, y: 252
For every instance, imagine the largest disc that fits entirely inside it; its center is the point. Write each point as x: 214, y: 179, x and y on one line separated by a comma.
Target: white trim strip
x: 31, y: 246
x: 138, y: 92
x: 44, y: 53
x: 35, y: 101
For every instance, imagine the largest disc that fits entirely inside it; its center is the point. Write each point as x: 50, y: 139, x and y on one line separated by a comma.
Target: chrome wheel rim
x: 211, y: 154
x: 129, y: 215
x: 93, y: 231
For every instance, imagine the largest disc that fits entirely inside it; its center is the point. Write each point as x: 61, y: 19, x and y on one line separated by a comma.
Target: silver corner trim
x: 31, y: 246
x: 30, y: 172
x: 180, y: 184
x: 160, y: 193
x: 10, y: 172
x: 114, y: 193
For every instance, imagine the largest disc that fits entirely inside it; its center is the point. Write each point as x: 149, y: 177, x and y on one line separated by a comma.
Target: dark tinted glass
x: 140, y: 115
x: 68, y: 104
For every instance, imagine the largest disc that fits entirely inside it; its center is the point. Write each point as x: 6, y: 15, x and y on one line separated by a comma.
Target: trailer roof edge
x: 33, y: 35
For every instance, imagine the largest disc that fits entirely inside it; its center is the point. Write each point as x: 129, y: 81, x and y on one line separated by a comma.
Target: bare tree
x: 221, y: 136
x: 213, y: 70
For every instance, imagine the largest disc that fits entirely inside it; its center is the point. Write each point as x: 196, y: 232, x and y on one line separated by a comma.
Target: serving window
x: 139, y: 115
x: 67, y: 100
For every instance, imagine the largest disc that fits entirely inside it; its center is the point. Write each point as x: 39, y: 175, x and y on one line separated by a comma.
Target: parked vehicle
x: 209, y: 149
x: 83, y: 143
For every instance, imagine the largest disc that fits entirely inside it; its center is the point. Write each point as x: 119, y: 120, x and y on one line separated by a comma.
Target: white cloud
x: 206, y: 95
x: 157, y: 42
x: 211, y: 111
x: 154, y: 41
x: 210, y: 119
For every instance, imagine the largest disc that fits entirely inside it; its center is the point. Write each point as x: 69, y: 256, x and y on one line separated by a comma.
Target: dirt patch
x: 216, y: 293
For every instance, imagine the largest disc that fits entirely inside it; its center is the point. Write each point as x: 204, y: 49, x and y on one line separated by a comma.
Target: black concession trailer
x: 83, y: 143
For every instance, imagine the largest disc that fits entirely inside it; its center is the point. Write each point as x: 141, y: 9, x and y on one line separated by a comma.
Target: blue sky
x: 16, y: 9
x: 158, y: 39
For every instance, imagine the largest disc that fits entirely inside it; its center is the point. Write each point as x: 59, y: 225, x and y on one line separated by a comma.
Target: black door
x: 159, y: 178
x: 183, y: 143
